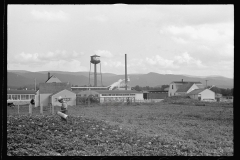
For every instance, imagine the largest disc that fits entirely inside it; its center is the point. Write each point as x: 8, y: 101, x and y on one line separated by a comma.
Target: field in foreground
x: 162, y: 129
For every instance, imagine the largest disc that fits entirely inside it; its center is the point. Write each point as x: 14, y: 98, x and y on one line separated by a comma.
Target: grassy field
x: 200, y: 130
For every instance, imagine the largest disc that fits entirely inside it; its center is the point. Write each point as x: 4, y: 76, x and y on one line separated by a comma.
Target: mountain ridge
x: 150, y: 79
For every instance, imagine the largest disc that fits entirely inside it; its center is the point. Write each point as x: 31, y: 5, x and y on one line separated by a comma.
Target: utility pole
x: 35, y: 83
x: 126, y: 81
x: 206, y: 83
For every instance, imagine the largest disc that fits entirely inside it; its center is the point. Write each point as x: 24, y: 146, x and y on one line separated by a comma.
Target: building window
x: 23, y: 97
x: 32, y: 96
x: 14, y: 97
x: 9, y: 96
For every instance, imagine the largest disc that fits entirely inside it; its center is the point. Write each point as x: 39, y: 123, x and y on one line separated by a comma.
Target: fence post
x: 41, y: 109
x: 52, y: 108
x: 30, y: 109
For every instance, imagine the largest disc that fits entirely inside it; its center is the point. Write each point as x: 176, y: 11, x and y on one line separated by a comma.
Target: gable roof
x: 21, y: 92
x: 185, y: 87
x: 196, y: 91
x: 61, y: 91
x: 53, y: 87
x: 51, y: 78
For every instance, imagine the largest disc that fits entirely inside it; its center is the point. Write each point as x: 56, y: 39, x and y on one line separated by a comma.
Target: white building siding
x: 44, y: 99
x: 172, y: 89
x: 207, y: 94
x: 139, y: 96
x: 70, y: 97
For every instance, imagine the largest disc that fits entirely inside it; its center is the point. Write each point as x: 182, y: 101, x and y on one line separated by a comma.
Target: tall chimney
x: 48, y: 75
x: 126, y: 71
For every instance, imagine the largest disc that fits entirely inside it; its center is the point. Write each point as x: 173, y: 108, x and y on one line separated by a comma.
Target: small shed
x: 67, y: 95
x: 202, y: 94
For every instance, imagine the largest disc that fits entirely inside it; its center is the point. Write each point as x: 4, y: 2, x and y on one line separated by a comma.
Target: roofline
x: 61, y: 91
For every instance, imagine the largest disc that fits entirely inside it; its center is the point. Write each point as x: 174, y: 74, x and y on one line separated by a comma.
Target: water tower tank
x: 95, y: 59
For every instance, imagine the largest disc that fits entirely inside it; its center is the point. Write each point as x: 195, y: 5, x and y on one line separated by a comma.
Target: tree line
x: 224, y: 92
x: 139, y: 88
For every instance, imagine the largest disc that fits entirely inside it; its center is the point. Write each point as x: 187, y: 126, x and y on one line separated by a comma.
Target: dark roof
x: 185, y: 87
x: 21, y: 92
x: 53, y: 87
x: 196, y: 91
x: 184, y: 82
x: 61, y: 91
x: 116, y: 91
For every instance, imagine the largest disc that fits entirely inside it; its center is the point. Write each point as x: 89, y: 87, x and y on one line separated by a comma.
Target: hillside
x: 16, y: 78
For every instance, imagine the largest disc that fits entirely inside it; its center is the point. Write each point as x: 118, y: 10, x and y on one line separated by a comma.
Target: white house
x: 202, y: 94
x: 177, y: 88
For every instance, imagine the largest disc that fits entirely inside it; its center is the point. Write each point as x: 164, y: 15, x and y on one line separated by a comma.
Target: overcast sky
x: 167, y: 39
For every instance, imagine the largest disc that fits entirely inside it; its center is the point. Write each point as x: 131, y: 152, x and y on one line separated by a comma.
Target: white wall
x: 139, y: 96
x: 207, y: 94
x: 64, y: 94
x: 44, y: 99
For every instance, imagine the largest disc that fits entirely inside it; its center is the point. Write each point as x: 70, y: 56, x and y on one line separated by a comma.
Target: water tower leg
x: 95, y: 75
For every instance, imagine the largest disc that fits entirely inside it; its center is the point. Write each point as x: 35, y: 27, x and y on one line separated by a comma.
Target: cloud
x: 49, y: 15
x: 43, y: 57
x: 158, y: 60
x: 185, y: 58
x: 104, y: 53
x: 99, y: 18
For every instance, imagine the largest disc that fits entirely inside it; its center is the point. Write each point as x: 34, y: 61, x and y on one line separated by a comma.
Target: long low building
x: 20, y: 96
x: 112, y: 95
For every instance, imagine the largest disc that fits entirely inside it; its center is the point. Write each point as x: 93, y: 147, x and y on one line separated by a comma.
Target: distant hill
x: 21, y: 78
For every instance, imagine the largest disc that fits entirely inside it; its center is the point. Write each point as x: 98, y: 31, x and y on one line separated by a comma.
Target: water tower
x: 95, y: 59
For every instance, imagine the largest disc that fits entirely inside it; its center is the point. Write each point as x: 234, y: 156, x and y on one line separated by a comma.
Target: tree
x: 137, y: 88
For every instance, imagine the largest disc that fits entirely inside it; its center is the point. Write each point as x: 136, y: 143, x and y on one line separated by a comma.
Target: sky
x: 167, y: 39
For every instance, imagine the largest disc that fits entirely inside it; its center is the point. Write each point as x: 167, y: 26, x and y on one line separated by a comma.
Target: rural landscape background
x: 21, y: 78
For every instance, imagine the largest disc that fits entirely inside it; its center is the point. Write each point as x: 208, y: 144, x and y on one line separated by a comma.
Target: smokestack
x: 48, y: 75
x: 126, y: 71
